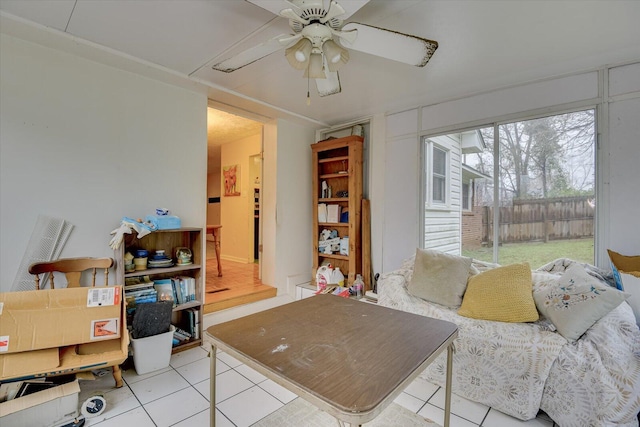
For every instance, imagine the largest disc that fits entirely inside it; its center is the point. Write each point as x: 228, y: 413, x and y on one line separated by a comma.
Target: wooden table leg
x: 215, y: 232
x: 117, y: 376
x: 216, y: 245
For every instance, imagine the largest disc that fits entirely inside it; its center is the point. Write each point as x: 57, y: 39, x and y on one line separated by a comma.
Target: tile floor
x: 179, y: 396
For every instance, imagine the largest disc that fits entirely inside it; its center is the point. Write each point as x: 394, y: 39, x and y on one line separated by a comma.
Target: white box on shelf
x: 333, y: 213
x: 322, y: 212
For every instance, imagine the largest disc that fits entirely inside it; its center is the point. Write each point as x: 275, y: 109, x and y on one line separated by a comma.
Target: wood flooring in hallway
x: 240, y: 284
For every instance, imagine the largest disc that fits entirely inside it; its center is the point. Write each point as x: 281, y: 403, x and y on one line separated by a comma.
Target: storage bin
x: 152, y: 353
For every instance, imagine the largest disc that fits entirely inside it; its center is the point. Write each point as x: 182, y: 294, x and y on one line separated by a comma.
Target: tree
x: 546, y: 157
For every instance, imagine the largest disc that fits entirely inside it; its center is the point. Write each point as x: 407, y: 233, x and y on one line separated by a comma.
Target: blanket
x: 520, y: 368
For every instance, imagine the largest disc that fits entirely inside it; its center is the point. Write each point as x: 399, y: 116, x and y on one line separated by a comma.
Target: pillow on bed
x: 631, y: 283
x: 439, y: 277
x: 622, y: 263
x: 577, y: 301
x: 504, y: 294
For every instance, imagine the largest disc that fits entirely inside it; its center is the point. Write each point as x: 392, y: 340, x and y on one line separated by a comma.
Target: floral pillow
x: 576, y: 301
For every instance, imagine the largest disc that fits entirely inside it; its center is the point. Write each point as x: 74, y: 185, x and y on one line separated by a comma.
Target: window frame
x: 425, y: 141
x: 429, y: 174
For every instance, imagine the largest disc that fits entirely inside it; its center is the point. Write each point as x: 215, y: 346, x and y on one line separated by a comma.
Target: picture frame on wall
x: 231, y: 179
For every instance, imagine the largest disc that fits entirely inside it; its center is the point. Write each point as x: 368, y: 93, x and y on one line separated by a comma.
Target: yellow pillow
x: 504, y: 294
x: 624, y: 263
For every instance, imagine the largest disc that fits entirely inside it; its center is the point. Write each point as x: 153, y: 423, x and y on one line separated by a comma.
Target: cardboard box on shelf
x: 19, y: 364
x: 44, y: 408
x: 34, y: 320
x: 68, y: 353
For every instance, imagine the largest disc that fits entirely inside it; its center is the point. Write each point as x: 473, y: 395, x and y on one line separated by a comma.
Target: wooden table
x: 215, y: 232
x: 349, y: 358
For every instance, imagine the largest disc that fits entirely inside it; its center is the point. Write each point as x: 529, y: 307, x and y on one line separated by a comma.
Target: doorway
x: 234, y: 176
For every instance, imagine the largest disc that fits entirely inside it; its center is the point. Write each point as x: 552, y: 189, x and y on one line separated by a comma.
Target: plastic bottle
x: 358, y: 286
x: 338, y: 277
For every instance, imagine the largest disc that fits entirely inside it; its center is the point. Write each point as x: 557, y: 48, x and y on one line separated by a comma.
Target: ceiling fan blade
x: 290, y: 14
x: 392, y: 45
x: 349, y: 36
x: 329, y: 85
x: 334, y: 10
x: 275, y: 6
x: 255, y: 53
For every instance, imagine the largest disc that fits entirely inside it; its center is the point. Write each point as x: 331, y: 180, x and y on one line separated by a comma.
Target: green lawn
x: 537, y: 253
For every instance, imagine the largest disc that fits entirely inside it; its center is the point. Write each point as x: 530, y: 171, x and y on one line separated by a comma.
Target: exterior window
x: 439, y: 176
x: 466, y: 197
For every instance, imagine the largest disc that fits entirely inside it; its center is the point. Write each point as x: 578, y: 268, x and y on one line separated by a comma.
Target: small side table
x: 214, y: 230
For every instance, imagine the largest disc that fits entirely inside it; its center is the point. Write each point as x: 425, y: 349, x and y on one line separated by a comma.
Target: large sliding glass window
x: 530, y: 187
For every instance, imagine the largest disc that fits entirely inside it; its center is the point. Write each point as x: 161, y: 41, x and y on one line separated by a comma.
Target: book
x: 333, y: 213
x: 165, y: 290
x: 193, y: 320
x: 175, y: 283
x: 322, y: 212
x: 183, y: 290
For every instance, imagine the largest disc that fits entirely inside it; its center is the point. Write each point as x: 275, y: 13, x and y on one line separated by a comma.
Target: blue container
x: 164, y: 222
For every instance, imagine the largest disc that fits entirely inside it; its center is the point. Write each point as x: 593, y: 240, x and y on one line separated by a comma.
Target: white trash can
x: 152, y: 353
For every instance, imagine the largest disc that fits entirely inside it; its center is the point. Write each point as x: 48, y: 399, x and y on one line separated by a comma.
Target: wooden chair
x: 73, y: 269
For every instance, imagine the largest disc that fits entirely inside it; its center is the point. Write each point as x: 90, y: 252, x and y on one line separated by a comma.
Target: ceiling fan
x: 320, y: 41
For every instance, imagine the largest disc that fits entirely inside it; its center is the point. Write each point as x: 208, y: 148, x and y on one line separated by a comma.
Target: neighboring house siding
x: 442, y: 222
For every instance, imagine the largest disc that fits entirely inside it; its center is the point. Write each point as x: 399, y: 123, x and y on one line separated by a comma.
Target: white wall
x: 90, y: 144
x: 213, y: 190
x: 401, y: 231
x: 286, y: 206
x: 622, y: 159
x: 293, y: 208
x: 618, y: 155
x: 236, y: 215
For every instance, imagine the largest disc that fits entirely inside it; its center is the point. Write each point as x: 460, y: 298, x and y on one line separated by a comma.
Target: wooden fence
x: 542, y: 220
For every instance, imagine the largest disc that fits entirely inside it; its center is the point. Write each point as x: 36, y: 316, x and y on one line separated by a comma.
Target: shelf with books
x: 334, y: 199
x: 181, y: 283
x: 337, y: 193
x: 334, y: 256
x: 163, y: 270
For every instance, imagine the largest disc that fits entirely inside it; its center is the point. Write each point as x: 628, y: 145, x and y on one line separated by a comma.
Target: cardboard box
x: 51, y: 318
x: 44, y: 408
x: 28, y: 362
x: 98, y: 352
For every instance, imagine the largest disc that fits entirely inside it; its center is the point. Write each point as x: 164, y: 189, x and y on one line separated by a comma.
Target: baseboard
x: 244, y: 310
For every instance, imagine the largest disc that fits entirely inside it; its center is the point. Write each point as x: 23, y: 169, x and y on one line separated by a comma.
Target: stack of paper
x: 333, y: 213
x: 322, y: 212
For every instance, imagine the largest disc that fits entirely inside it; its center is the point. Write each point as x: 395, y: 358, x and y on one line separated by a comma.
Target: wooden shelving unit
x: 169, y: 240
x: 338, y: 162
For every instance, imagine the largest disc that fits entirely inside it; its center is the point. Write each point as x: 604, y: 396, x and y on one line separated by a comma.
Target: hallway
x: 240, y: 284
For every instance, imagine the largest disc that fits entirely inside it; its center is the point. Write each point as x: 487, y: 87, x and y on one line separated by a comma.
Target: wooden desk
x: 215, y: 232
x: 349, y: 358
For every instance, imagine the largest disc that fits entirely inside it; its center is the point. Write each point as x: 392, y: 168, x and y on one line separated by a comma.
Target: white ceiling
x: 483, y: 44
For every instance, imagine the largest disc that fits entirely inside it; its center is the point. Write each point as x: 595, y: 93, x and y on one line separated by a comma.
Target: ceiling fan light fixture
x: 336, y: 55
x: 315, y: 69
x: 298, y: 54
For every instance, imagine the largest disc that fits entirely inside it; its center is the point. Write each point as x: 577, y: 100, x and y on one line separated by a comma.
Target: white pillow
x: 577, y: 301
x: 631, y: 284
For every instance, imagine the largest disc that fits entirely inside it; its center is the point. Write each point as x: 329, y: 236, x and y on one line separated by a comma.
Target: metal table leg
x: 212, y: 382
x: 447, y: 398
